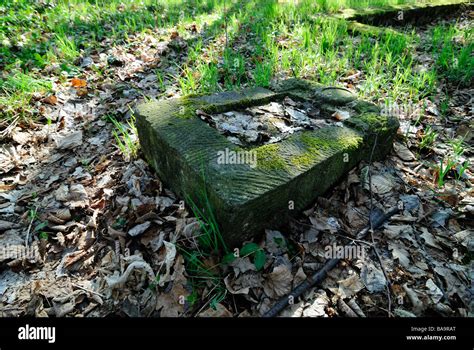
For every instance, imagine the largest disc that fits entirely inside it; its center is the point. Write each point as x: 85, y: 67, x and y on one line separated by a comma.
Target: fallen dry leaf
x: 6, y: 225
x: 139, y: 229
x: 318, y: 305
x: 350, y: 286
x: 278, y: 282
x: 220, y: 311
x: 173, y: 303
x: 78, y: 83
x: 69, y: 140
x: 403, y: 152
x: 174, y: 35
x: 242, y: 265
x: 118, y: 281
x: 434, y: 291
x: 418, y: 306
x: 295, y: 310
x: 399, y: 252
x: 82, y: 92
x: 429, y: 238
x: 243, y: 283
x: 51, y: 100
x: 21, y: 137
x: 78, y: 197
x: 167, y: 261
x: 373, y: 278
x: 380, y: 184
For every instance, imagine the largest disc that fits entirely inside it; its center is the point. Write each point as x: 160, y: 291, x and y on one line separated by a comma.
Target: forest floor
x: 102, y: 235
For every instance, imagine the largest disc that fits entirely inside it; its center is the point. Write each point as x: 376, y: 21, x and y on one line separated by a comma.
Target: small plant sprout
x: 252, y: 250
x: 453, y: 161
x: 444, y: 106
x: 457, y: 147
x: 126, y: 137
x: 428, y: 139
x: 443, y: 169
x: 203, y: 273
x: 43, y: 235
x: 461, y: 169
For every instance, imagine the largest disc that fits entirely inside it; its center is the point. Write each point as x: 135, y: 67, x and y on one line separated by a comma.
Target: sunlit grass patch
x: 125, y: 135
x: 453, y: 52
x: 16, y: 91
x: 250, y: 43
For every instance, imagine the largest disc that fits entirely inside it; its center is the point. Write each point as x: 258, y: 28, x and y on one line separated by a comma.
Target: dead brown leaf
x: 82, y: 92
x: 220, y: 311
x: 174, y: 35
x: 172, y: 303
x: 278, y: 282
x: 51, y: 100
x: 78, y: 83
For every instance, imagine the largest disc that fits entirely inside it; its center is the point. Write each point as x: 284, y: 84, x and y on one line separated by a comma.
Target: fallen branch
x: 321, y: 274
x: 354, y: 306
x: 346, y: 310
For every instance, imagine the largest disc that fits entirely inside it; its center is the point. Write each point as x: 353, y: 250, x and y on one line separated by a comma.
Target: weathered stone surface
x: 245, y: 199
x: 387, y: 13
x: 373, y: 20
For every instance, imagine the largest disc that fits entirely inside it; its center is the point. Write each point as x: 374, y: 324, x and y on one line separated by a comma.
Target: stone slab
x: 245, y: 199
x: 375, y: 20
x: 371, y: 15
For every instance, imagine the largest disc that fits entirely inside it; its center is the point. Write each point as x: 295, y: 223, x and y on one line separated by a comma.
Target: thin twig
x: 388, y: 285
x: 5, y: 132
x: 206, y: 303
x: 33, y: 217
x: 88, y: 290
x: 371, y: 231
x: 354, y: 240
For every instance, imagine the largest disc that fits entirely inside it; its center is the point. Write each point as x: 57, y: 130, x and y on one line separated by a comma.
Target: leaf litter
x: 98, y: 221
x: 270, y: 123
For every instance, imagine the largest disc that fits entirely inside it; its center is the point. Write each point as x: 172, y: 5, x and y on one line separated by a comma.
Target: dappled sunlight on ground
x: 112, y: 239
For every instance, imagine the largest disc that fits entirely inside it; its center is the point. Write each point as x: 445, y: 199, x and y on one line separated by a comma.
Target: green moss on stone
x: 376, y: 122
x: 372, y: 122
x: 314, y: 143
x: 316, y: 146
x: 223, y: 107
x: 363, y: 107
x: 186, y: 108
x: 303, y: 160
x: 269, y: 158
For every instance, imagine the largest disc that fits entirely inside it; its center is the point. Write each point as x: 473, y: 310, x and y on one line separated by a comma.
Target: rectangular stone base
x: 287, y: 177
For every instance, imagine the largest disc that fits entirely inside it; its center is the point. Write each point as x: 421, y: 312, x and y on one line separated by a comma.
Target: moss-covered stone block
x: 387, y: 13
x: 247, y: 197
x: 373, y: 21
